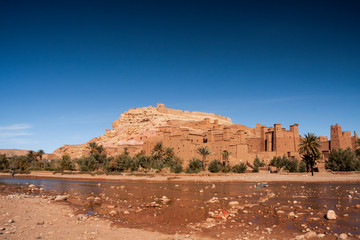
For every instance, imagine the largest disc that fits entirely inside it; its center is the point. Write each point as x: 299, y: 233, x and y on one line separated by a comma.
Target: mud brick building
x: 139, y: 129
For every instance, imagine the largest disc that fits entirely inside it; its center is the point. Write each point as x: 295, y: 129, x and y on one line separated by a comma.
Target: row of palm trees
x: 309, y: 148
x: 33, y: 155
x: 205, y: 151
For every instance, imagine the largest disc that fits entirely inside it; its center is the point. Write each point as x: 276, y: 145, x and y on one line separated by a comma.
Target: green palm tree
x: 31, y: 155
x: 204, y: 152
x: 169, y: 155
x: 126, y: 152
x: 92, y: 146
x: 158, y: 151
x: 309, y: 148
x: 169, y: 152
x: 100, y: 149
x: 225, y: 156
x: 40, y: 153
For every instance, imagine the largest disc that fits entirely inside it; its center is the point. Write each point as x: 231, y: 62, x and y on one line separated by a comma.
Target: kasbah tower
x: 139, y: 129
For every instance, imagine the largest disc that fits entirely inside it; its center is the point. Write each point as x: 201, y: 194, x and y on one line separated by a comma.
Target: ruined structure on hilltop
x: 184, y: 131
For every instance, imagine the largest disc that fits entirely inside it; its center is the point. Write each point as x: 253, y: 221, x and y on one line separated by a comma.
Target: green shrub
x: 66, y: 163
x: 51, y: 165
x: 257, y: 164
x: 87, y: 164
x: 147, y: 162
x: 175, y: 165
x: 215, y: 166
x: 21, y: 163
x: 340, y: 160
x: 226, y: 168
x: 291, y: 165
x: 239, y: 168
x: 100, y: 159
x: 123, y: 163
x: 195, y: 166
x: 4, y: 163
x: 144, y: 161
x: 302, y: 166
x: 278, y: 162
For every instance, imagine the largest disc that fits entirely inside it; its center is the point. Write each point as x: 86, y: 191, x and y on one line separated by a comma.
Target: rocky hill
x: 138, y: 124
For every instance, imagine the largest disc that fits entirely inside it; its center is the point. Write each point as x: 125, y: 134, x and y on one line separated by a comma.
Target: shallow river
x: 183, y: 207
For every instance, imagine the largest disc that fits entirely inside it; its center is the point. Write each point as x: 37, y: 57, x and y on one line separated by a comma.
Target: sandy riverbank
x: 31, y: 217
x: 230, y: 177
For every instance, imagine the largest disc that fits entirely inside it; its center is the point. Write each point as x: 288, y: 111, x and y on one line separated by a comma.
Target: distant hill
x: 13, y: 152
x: 20, y: 152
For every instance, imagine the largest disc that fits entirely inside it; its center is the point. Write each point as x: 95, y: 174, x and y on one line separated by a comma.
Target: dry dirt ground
x: 24, y: 217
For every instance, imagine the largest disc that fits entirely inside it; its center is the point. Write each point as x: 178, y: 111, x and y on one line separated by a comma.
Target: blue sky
x: 68, y: 69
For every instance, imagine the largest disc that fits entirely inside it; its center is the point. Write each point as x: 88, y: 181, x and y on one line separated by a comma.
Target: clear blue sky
x: 68, y: 69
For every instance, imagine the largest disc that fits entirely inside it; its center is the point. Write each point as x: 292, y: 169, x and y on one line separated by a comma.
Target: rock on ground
x: 331, y: 215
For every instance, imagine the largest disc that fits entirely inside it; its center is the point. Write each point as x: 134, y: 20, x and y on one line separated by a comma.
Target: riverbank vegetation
x: 164, y: 160
x: 343, y: 160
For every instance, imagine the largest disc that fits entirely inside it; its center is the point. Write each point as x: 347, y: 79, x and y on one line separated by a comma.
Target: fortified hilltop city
x: 140, y: 129
x: 179, y: 120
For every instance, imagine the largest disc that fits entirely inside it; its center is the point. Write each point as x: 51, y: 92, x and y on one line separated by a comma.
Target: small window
x: 205, y: 140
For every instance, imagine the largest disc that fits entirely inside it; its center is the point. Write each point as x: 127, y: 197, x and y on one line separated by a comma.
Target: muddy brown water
x: 262, y: 211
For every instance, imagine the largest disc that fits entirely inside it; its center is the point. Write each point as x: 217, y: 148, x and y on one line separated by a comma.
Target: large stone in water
x: 331, y: 215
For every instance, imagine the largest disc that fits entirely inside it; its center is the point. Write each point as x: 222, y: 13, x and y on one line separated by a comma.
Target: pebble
x: 213, y: 200
x: 291, y: 214
x: 343, y: 236
x: 310, y: 234
x: 61, y: 198
x: 299, y: 237
x: 233, y: 203
x: 82, y: 217
x: 210, y: 220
